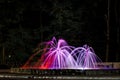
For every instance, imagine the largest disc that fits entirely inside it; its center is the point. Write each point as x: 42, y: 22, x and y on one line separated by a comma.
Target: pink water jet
x: 60, y: 55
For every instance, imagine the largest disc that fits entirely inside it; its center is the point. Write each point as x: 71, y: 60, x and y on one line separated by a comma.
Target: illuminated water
x: 60, y: 55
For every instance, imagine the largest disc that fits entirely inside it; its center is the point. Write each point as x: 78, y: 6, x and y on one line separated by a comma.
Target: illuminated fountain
x: 85, y: 57
x: 59, y: 55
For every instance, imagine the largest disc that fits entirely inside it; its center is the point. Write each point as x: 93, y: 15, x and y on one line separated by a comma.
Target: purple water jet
x: 60, y: 55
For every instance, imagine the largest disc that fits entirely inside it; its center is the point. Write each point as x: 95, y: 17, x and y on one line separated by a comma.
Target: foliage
x: 23, y: 24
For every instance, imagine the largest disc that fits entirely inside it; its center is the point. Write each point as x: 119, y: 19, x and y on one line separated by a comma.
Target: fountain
x: 55, y: 59
x: 60, y: 55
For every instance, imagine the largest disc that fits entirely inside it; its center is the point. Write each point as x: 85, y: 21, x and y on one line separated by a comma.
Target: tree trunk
x: 108, y: 31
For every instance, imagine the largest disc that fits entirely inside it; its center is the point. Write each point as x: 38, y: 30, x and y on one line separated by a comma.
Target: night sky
x: 24, y: 24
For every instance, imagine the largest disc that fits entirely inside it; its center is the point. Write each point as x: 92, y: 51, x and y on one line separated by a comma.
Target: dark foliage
x: 24, y: 24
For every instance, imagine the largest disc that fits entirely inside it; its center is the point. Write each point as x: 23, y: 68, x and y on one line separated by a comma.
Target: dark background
x: 26, y: 23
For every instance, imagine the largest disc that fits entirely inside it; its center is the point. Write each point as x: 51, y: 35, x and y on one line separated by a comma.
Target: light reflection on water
x: 9, y: 77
